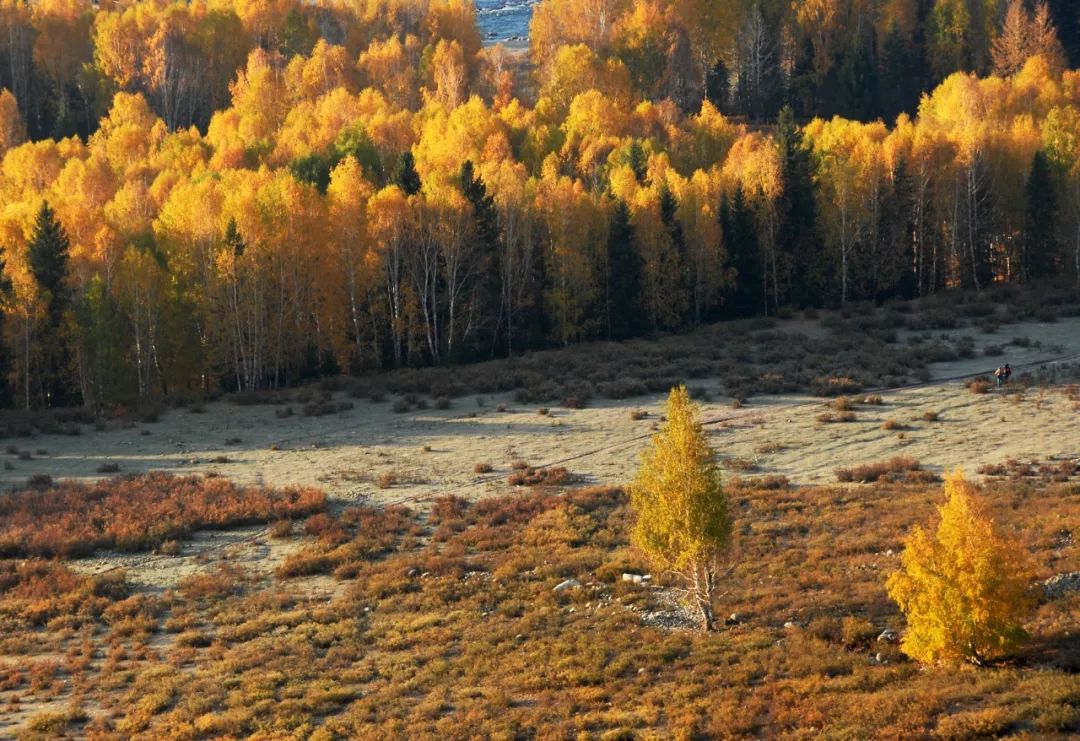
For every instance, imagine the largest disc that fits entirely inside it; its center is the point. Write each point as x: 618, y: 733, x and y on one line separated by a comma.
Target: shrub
x: 872, y: 472
x: 874, y: 400
x: 281, y: 528
x: 442, y: 403
x: 554, y: 476
x: 839, y: 417
x: 137, y: 513
x: 483, y: 468
x: 108, y: 468
x: 979, y: 386
x: 637, y: 415
x: 387, y: 480
x: 931, y: 416
x: 843, y: 404
x: 834, y: 386
x: 893, y: 425
x: 40, y: 481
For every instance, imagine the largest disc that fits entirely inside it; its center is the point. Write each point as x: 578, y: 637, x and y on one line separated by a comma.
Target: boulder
x: 568, y: 584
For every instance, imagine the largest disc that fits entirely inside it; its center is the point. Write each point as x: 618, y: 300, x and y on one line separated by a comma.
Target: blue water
x: 505, y: 20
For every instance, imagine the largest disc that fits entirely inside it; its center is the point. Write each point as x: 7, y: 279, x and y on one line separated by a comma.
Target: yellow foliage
x: 965, y: 588
x: 683, y: 523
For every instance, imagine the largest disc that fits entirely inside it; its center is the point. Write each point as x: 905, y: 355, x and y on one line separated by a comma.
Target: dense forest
x: 243, y: 194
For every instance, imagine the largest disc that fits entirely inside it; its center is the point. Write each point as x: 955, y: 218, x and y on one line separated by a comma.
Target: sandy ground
x: 432, y: 453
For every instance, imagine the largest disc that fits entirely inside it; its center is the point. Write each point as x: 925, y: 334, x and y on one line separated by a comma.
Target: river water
x: 505, y: 21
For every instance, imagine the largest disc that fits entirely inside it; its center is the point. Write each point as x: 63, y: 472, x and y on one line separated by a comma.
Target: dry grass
x: 447, y: 625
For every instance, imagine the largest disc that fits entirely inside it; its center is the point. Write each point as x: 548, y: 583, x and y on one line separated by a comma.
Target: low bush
x: 136, y: 513
x: 888, y: 470
x: 483, y: 468
x: 554, y: 476
x: 838, y: 417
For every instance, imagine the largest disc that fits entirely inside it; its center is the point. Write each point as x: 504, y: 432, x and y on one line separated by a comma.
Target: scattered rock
x: 888, y: 636
x: 733, y: 619
x: 568, y: 584
x: 880, y: 658
x: 413, y: 572
x: 790, y: 625
x: 1061, y: 584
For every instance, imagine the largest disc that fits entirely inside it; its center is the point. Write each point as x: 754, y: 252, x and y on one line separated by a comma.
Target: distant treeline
x: 367, y: 187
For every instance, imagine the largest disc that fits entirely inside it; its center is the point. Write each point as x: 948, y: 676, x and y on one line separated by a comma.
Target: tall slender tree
x: 625, y: 312
x: 1041, y: 256
x: 798, y: 240
x: 47, y: 256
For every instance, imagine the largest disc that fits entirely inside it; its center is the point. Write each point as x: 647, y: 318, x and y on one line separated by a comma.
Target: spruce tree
x: 626, y: 315
x: 738, y: 224
x: 639, y: 162
x: 405, y: 175
x: 669, y: 207
x: 47, y: 255
x: 1041, y: 250
x: 798, y: 240
x: 487, y: 239
x: 6, y: 396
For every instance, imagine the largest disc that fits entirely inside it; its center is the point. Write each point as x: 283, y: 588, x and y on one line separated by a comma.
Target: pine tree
x: 898, y: 79
x: 487, y: 238
x: 626, y: 315
x: 964, y: 588
x: 6, y: 397
x: 405, y: 175
x: 739, y: 227
x: 798, y: 240
x: 639, y: 162
x: 683, y: 524
x: 669, y: 207
x: 234, y: 243
x: 47, y: 255
x: 1041, y: 251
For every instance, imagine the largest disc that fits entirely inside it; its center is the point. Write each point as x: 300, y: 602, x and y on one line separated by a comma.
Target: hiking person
x: 1008, y: 373
x: 999, y: 374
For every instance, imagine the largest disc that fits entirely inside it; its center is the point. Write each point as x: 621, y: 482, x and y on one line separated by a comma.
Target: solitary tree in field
x: 964, y: 588
x: 683, y: 523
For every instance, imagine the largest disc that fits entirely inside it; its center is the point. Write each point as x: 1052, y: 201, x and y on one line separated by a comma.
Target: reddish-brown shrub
x: 134, y: 513
x: 870, y: 472
x: 554, y: 476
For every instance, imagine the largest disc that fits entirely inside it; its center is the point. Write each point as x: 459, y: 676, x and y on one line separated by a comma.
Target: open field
x: 441, y: 619
x: 368, y: 452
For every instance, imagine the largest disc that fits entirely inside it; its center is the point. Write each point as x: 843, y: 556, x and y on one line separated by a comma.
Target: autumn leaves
x: 965, y: 587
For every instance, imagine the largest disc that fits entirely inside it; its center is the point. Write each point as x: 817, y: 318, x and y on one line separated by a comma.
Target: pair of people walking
x: 1002, y: 374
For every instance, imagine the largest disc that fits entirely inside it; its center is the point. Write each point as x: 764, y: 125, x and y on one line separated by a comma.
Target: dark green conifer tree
x: 405, y: 175
x: 1041, y: 255
x: 625, y: 313
x: 47, y: 255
